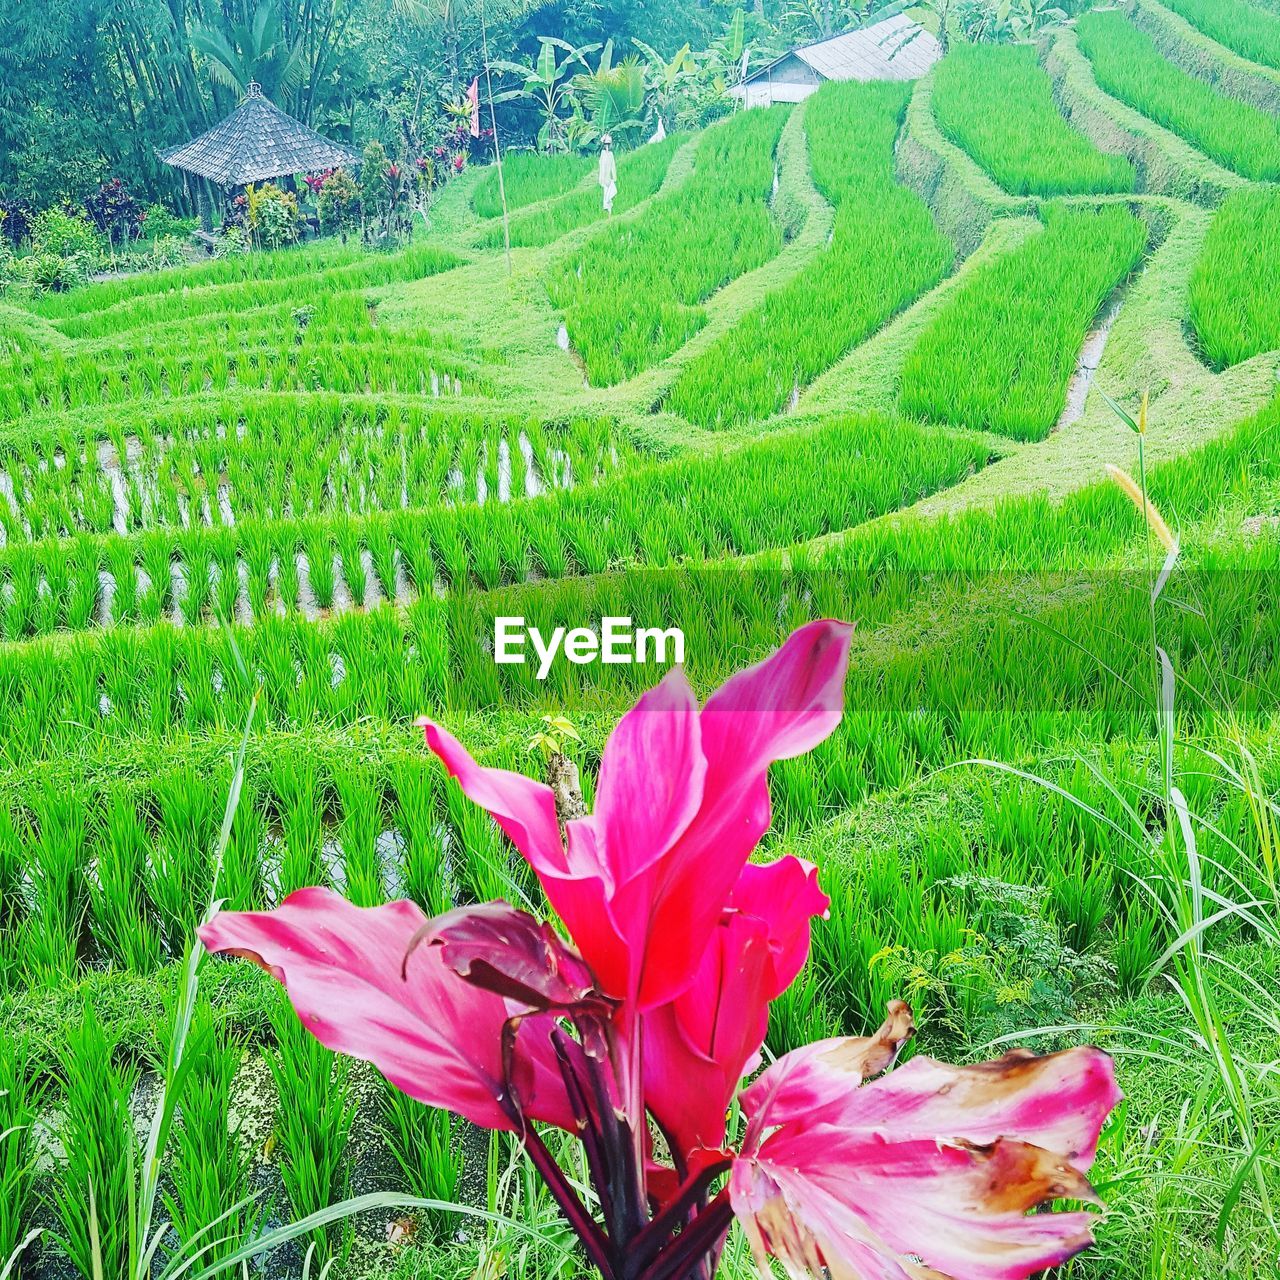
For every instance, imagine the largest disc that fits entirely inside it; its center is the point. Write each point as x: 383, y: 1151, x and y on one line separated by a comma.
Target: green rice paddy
x: 292, y: 491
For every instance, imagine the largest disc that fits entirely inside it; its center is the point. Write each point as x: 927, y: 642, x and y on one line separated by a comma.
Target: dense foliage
x: 997, y: 103
x: 91, y: 91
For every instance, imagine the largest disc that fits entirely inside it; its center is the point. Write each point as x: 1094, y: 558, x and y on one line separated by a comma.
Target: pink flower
x: 682, y: 800
x: 459, y: 163
x: 848, y: 1168
x: 700, y: 1045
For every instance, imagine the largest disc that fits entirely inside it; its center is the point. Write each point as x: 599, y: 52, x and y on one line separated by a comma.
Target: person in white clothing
x: 608, y: 173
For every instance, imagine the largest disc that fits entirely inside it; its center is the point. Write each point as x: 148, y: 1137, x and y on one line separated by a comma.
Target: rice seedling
x: 884, y: 251
x: 300, y: 808
x: 1128, y: 65
x: 640, y: 174
x: 428, y: 870
x: 180, y: 874
x: 275, y: 264
x: 1000, y: 352
x: 739, y: 512
x: 1248, y: 29
x: 528, y: 177
x: 630, y: 295
x: 997, y: 103
x: 426, y: 1145
x: 314, y: 1121
x: 93, y: 1185
x: 21, y: 1096
x: 123, y: 930
x: 12, y: 865
x: 1235, y: 286
x: 241, y: 884
x: 210, y: 1197
x: 245, y: 356
x: 363, y: 876
x: 58, y: 846
x: 231, y: 286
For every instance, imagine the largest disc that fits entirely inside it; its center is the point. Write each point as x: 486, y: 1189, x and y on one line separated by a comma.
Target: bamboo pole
x: 497, y: 150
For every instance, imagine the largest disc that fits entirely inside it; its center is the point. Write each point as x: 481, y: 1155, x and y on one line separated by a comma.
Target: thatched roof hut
x: 255, y: 142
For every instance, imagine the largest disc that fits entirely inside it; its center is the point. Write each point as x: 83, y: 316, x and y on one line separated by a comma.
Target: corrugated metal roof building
x: 895, y: 49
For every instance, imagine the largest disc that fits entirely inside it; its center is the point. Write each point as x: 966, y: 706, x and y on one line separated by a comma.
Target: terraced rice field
x: 997, y: 103
x: 1129, y: 66
x: 257, y: 516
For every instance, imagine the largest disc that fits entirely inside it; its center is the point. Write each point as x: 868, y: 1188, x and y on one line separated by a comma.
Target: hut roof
x: 257, y: 141
x: 895, y: 48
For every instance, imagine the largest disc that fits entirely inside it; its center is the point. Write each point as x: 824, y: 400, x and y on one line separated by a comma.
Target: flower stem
x: 575, y: 1212
x: 699, y: 1238
x: 660, y: 1229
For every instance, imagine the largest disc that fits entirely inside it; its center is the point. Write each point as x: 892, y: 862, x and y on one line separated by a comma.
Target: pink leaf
x: 930, y: 1166
x: 428, y: 1031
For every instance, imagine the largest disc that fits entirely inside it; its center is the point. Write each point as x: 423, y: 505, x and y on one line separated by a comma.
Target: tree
x: 252, y: 51
x: 614, y: 98
x: 550, y: 85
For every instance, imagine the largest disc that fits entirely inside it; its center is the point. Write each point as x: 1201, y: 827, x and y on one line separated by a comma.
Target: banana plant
x: 549, y: 84
x: 1030, y: 17
x: 721, y: 66
x: 667, y: 81
x: 611, y: 99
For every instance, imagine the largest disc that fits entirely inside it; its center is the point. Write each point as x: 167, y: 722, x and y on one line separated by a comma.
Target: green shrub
x: 338, y: 201
x: 53, y: 231
x: 158, y: 223
x: 273, y: 214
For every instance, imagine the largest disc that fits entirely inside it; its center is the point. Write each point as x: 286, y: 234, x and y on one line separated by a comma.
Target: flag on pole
x: 660, y: 132
x: 746, y: 56
x: 473, y: 97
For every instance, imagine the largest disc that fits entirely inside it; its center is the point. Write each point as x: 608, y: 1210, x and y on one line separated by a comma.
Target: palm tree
x: 613, y: 97
x: 252, y: 50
